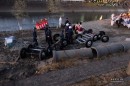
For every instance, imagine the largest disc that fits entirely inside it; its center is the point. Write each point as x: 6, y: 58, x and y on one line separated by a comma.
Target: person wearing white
x: 113, y: 18
x: 60, y: 22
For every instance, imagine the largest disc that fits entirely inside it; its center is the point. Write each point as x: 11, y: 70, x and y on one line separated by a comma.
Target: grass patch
x: 57, y: 66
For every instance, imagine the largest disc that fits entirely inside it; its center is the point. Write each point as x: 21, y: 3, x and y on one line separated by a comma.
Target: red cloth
x: 78, y: 28
x: 37, y: 26
x: 41, y: 24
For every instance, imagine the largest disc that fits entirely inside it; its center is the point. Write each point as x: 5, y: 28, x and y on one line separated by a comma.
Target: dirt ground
x: 12, y: 68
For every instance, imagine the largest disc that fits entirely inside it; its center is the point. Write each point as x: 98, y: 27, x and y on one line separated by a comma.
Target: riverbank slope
x: 61, y: 75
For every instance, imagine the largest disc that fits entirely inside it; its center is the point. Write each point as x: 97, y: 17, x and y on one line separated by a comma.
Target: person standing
x: 67, y: 21
x: 119, y: 21
x: 66, y: 31
x: 60, y: 22
x: 70, y: 35
x: 62, y: 39
x: 113, y: 18
x: 35, y: 36
x: 46, y: 28
x: 48, y: 34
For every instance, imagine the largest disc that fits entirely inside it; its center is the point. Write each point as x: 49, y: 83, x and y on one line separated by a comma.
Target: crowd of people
x: 48, y: 36
x: 66, y: 34
x: 72, y: 29
x: 122, y: 19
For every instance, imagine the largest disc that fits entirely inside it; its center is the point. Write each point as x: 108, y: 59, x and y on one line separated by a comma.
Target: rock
x: 128, y: 69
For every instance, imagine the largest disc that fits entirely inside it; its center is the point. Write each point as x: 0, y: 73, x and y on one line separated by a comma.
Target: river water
x: 9, y: 23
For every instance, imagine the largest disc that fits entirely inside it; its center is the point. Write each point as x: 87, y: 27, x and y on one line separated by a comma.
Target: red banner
x: 41, y: 24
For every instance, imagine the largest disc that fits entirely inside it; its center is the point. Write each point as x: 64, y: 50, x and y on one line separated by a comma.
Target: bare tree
x: 19, y: 8
x: 53, y: 6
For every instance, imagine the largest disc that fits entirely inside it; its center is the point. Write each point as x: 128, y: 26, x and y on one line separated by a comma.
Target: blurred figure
x: 79, y: 29
x: 66, y: 30
x: 60, y: 22
x: 70, y: 35
x: 48, y: 34
x: 62, y: 39
x: 101, y: 17
x: 67, y: 21
x: 35, y: 37
x: 113, y: 18
x: 75, y: 28
x: 119, y: 21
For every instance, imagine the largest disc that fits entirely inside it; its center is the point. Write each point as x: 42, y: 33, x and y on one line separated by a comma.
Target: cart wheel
x: 30, y: 46
x: 23, y: 53
x: 95, y: 37
x: 42, y: 55
x: 90, y: 31
x: 56, y: 37
x: 65, y: 43
x: 105, y: 39
x: 99, y: 36
x: 49, y: 51
x: 85, y: 31
x: 102, y: 33
x: 56, y: 47
x: 89, y: 43
x: 78, y: 36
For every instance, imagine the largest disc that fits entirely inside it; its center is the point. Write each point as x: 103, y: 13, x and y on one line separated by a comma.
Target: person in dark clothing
x: 67, y: 21
x: 66, y: 32
x: 62, y: 39
x: 35, y: 37
x: 62, y: 35
x: 70, y: 35
x: 48, y: 34
x: 118, y: 22
x: 46, y: 28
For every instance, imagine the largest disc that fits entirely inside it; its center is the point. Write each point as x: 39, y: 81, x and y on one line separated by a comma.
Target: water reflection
x: 8, y: 22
